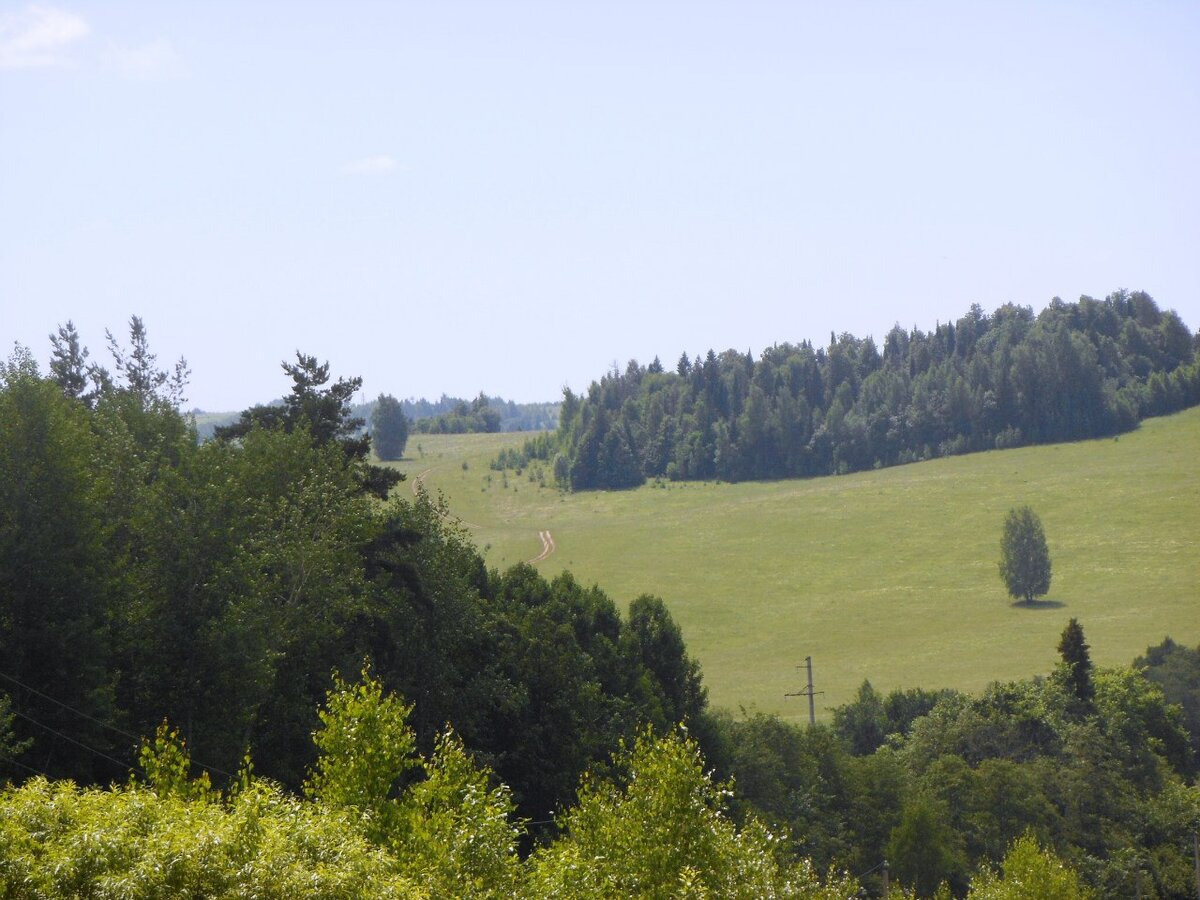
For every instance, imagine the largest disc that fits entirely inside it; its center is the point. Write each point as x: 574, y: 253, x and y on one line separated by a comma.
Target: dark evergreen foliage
x: 1076, y: 370
x: 1176, y: 669
x: 1077, y: 661
x: 68, y: 364
x: 327, y: 416
x: 219, y: 584
x: 866, y: 722
x: 55, y: 635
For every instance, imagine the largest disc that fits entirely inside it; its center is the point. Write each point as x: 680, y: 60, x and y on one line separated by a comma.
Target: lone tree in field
x: 1024, y: 556
x: 389, y: 428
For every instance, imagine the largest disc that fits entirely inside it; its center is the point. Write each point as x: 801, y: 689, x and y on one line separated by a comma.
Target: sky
x: 510, y: 197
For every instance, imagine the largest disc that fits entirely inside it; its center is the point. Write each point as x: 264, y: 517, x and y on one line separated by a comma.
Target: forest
x: 453, y: 415
x: 1076, y: 370
x: 245, y: 666
x: 446, y: 415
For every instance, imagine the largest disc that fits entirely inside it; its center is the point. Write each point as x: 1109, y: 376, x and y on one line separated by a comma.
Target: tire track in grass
x: 548, y: 546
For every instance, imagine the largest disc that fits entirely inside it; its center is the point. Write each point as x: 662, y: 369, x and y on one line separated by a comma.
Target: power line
x: 77, y: 712
x: 70, y: 739
x: 20, y: 765
x: 96, y: 721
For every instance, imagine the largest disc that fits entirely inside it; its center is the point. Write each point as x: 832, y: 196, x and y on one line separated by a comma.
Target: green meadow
x: 889, y: 575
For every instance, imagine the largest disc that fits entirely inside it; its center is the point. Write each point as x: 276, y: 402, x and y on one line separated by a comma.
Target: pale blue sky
x: 510, y: 196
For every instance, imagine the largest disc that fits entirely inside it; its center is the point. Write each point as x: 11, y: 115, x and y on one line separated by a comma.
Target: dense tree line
x: 1076, y: 370
x: 146, y: 574
x: 457, y: 413
x: 1094, y: 763
x: 1092, y: 793
x: 476, y: 417
x: 509, y: 415
x: 381, y: 819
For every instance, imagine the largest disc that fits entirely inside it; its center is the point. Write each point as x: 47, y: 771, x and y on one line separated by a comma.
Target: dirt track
x: 419, y: 478
x: 547, y: 546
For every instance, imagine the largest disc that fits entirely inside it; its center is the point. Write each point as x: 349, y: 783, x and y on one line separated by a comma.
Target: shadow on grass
x: 1038, y: 604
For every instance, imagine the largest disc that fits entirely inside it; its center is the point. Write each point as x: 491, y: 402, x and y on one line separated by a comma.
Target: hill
x: 889, y: 575
x: 1009, y: 379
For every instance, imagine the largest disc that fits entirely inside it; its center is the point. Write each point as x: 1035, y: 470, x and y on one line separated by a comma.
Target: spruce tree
x: 1078, y: 662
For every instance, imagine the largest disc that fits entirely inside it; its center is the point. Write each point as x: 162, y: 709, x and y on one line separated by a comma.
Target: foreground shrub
x: 57, y: 840
x: 661, y: 832
x: 1029, y: 873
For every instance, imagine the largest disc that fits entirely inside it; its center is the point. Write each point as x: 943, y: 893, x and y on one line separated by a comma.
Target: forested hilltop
x: 1076, y: 370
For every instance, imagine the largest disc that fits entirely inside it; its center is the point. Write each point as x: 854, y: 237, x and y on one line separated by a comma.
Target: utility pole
x: 808, y: 692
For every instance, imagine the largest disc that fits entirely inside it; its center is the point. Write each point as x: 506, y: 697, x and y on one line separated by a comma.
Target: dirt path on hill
x: 419, y: 478
x: 548, y: 546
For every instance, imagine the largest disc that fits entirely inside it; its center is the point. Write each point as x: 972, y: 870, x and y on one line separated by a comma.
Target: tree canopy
x: 325, y: 413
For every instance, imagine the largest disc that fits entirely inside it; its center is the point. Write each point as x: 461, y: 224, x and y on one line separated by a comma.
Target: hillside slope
x: 889, y: 575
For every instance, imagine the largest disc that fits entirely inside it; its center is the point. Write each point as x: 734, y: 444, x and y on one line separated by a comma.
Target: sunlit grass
x: 889, y: 575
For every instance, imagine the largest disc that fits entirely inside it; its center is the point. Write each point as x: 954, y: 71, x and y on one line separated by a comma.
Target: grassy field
x: 889, y: 575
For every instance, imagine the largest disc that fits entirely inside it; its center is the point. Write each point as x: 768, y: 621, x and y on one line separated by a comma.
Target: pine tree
x: 68, y: 361
x: 326, y: 413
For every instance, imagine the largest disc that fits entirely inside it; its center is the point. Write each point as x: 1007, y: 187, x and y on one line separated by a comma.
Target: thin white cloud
x: 157, y: 59
x: 370, y: 165
x: 39, y: 36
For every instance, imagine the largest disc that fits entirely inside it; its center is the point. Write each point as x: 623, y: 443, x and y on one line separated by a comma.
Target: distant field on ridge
x: 888, y: 575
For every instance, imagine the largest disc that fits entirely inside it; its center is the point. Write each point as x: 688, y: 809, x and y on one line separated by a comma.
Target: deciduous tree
x: 1024, y: 555
x: 55, y: 640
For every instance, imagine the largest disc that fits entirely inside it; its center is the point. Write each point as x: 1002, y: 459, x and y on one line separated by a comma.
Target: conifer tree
x: 1078, y: 662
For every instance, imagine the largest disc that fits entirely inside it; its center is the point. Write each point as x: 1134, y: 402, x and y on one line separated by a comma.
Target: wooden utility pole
x: 808, y: 692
